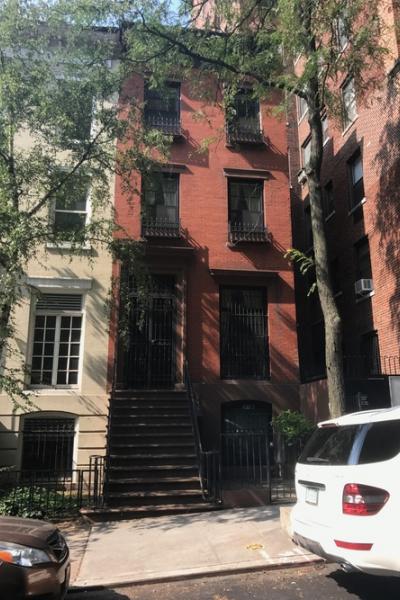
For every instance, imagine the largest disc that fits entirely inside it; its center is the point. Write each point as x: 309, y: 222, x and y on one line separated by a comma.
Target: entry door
x: 243, y: 333
x: 151, y: 351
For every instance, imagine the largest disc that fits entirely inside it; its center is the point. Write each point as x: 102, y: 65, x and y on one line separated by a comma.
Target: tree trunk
x: 5, y: 314
x: 332, y: 319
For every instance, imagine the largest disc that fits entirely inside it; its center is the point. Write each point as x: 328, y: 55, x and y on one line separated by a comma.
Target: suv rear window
x: 353, y: 444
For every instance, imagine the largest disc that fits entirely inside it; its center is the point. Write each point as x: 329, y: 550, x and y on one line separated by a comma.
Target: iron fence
x: 50, y: 493
x: 249, y: 461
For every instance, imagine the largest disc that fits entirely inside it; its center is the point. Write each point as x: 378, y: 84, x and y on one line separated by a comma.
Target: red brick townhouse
x: 361, y: 169
x: 214, y: 224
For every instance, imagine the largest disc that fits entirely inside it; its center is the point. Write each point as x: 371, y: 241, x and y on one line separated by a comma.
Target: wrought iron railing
x: 247, y: 232
x: 245, y: 132
x: 249, y: 461
x: 169, y: 123
x: 160, y: 228
x: 51, y: 494
x: 358, y: 366
x: 209, y: 461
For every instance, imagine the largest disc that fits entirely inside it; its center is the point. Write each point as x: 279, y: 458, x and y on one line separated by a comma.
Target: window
x: 349, y: 103
x: 318, y: 348
x: 306, y: 153
x: 162, y: 108
x: 244, y: 122
x: 245, y: 209
x: 342, y: 35
x: 302, y: 107
x: 161, y: 204
x: 47, y: 444
x: 57, y: 340
x: 357, y: 180
x: 325, y: 133
x: 243, y: 333
x: 328, y: 200
x: 308, y: 233
x: 370, y: 353
x: 362, y: 259
x: 334, y: 271
x: 71, y: 214
x: 353, y: 444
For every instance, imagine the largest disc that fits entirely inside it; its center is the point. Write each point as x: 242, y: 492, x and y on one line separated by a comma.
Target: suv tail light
x: 363, y: 500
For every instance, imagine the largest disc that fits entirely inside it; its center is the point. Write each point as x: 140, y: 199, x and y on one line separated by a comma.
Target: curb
x: 198, y: 574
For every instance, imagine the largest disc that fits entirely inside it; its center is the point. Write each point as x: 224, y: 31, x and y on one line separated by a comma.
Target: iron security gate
x: 244, y: 341
x: 148, y: 358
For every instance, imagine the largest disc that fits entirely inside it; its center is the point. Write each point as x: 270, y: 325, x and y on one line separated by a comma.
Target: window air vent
x: 363, y: 286
x: 59, y: 302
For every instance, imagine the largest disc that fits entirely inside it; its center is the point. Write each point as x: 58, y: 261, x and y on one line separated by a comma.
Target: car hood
x: 27, y: 532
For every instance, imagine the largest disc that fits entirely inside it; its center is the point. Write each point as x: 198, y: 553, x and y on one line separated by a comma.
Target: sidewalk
x: 180, y: 546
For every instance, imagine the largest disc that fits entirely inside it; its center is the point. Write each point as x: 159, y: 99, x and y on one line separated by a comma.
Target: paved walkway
x: 180, y: 546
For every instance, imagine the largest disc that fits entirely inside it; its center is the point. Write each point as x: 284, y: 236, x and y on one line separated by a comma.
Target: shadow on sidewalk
x: 172, y: 522
x: 100, y: 594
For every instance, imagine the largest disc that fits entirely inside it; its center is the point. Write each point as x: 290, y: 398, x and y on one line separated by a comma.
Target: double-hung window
x: 162, y: 108
x: 160, y: 209
x: 306, y: 153
x: 357, y: 180
x: 56, y: 348
x: 246, y: 210
x: 328, y: 200
x: 349, y: 102
x: 244, y: 122
x: 70, y: 216
x: 363, y: 260
x: 302, y: 107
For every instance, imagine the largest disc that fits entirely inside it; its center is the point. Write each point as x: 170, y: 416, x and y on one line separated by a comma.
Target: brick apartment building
x: 214, y: 224
x: 362, y: 218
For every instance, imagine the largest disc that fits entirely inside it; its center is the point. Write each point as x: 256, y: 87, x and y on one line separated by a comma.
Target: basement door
x: 151, y: 352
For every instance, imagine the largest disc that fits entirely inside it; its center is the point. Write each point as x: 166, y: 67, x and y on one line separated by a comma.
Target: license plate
x: 311, y: 495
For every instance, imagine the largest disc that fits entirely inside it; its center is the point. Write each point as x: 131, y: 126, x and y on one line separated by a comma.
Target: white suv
x: 348, y: 492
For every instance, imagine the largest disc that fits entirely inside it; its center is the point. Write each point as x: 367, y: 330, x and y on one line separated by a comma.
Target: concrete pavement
x: 183, y: 546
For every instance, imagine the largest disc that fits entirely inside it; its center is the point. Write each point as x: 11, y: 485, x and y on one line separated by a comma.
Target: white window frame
x: 301, y: 114
x: 62, y: 285
x: 54, y: 210
x: 348, y: 88
x: 305, y: 149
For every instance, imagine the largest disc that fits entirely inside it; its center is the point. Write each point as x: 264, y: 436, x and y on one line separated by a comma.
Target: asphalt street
x: 322, y: 582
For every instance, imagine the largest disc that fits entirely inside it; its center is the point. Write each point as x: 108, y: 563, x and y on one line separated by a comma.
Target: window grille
x: 48, y: 444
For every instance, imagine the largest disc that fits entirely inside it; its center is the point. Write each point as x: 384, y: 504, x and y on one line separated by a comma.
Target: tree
x: 62, y: 108
x: 256, y: 42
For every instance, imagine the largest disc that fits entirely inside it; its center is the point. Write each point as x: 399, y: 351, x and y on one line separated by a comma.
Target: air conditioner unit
x: 364, y: 286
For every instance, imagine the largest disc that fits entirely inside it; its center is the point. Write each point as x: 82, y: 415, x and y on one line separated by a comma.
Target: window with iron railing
x: 48, y: 444
x: 246, y: 211
x: 243, y: 125
x: 160, y: 208
x: 162, y: 108
x: 370, y: 354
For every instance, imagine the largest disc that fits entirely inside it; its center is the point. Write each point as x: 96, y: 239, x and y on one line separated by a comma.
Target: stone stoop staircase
x: 152, y: 463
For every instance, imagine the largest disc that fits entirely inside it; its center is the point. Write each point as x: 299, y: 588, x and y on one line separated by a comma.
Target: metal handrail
x: 209, y: 461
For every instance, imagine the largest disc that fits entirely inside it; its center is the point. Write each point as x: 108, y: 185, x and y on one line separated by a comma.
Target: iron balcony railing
x: 160, y: 228
x: 168, y: 123
x: 247, y: 232
x: 358, y: 366
x: 244, y: 132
